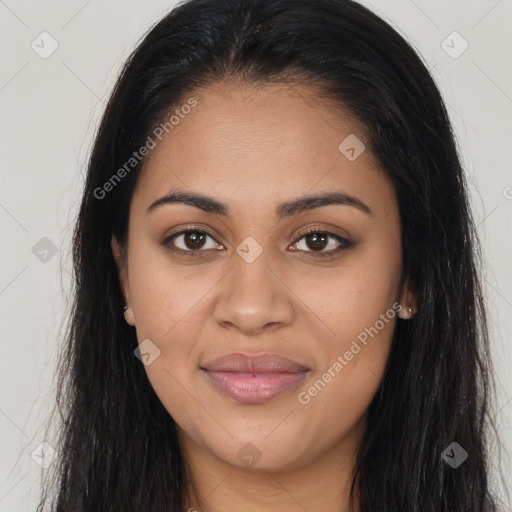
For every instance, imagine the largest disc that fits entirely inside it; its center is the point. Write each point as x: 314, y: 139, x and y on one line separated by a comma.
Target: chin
x: 262, y: 455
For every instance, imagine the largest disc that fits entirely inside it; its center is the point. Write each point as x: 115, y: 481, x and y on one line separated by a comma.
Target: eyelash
x: 345, y: 244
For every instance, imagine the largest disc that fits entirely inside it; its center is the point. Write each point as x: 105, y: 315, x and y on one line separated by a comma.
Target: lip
x: 254, y: 379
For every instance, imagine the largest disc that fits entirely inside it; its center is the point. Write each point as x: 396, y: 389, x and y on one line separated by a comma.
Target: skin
x: 254, y: 148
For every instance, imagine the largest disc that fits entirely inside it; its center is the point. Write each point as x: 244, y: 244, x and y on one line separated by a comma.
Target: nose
x: 254, y: 297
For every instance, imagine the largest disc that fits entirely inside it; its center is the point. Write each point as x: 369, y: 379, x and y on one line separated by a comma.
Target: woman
x: 277, y: 304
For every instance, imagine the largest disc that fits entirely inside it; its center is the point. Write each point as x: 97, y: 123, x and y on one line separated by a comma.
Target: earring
x: 408, y: 313
x: 128, y: 315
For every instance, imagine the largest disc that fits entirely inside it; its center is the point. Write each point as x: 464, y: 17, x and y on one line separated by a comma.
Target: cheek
x: 167, y: 309
x: 165, y: 297
x: 173, y: 323
x: 335, y: 400
x: 360, y: 313
x: 350, y: 297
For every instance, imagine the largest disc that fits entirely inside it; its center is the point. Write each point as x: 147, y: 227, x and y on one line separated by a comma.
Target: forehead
x: 261, y: 144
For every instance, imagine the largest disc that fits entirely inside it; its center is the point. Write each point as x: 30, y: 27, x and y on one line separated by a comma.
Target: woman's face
x: 247, y: 280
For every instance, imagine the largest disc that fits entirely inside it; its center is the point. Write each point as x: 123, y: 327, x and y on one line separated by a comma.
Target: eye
x: 319, y: 240
x: 190, y: 241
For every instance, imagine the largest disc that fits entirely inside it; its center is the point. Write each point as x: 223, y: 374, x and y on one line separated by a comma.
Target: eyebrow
x: 286, y: 209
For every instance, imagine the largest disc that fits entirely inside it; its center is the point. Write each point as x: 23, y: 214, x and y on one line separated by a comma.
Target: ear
x: 119, y: 258
x: 408, y: 299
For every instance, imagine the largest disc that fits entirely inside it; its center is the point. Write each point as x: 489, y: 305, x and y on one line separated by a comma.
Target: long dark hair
x: 117, y: 444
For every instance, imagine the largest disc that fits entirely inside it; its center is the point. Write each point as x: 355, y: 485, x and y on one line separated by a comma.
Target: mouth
x: 251, y: 379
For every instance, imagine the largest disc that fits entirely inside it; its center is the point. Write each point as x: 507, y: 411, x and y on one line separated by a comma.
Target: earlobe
x: 128, y: 316
x: 408, y: 301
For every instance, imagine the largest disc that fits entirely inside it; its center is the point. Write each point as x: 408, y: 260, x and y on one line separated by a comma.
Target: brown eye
x: 194, y: 240
x: 315, y: 241
x: 191, y: 241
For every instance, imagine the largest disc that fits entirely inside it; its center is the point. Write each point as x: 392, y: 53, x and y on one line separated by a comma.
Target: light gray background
x: 50, y: 110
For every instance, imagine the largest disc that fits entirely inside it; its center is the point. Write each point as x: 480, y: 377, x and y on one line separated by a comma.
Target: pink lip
x: 253, y: 379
